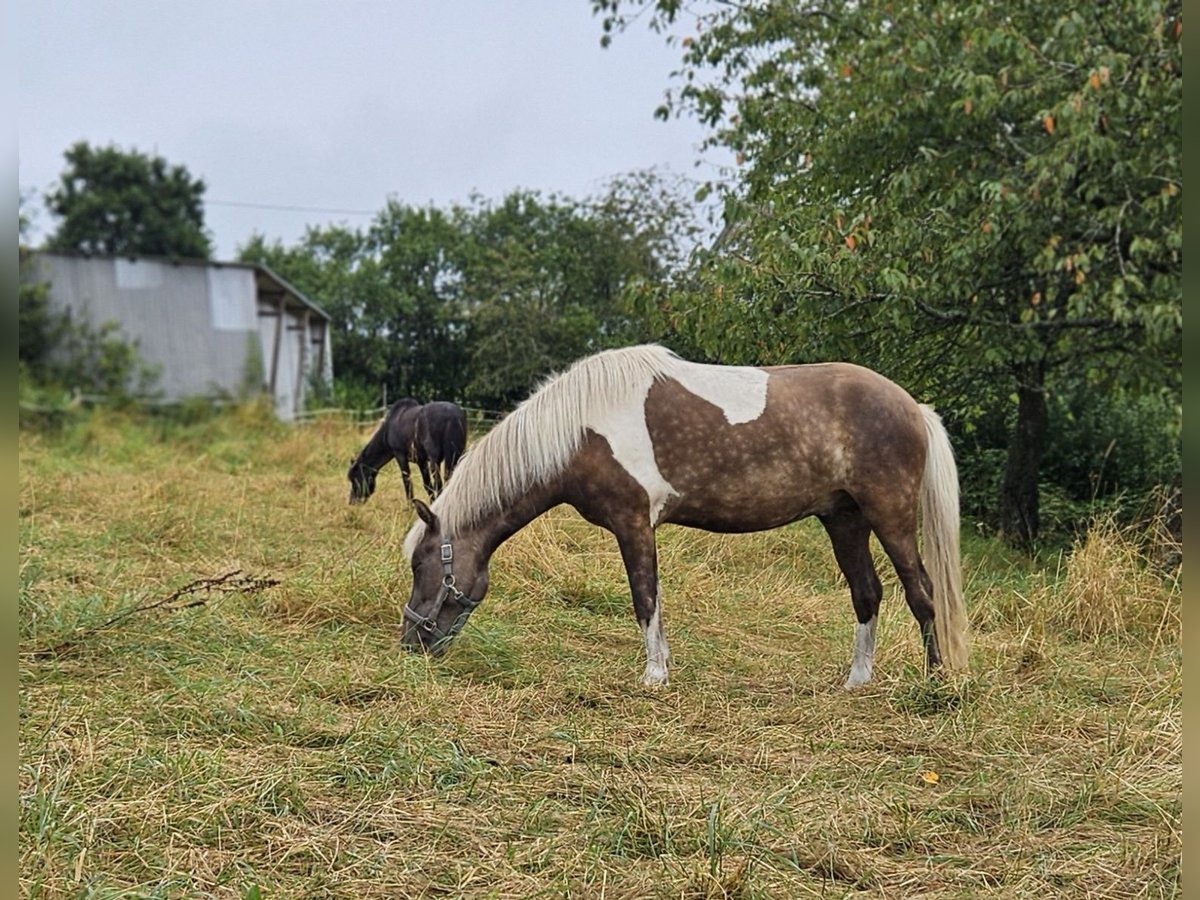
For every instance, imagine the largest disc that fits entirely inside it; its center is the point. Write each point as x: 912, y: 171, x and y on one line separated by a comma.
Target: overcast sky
x: 340, y: 104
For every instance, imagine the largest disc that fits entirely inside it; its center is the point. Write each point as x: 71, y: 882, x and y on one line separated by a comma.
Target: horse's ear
x: 426, y: 514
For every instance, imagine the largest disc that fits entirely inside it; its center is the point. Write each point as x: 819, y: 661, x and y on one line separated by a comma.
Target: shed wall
x: 206, y: 328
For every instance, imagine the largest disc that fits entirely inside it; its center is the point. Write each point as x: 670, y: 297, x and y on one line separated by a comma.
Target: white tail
x: 940, y: 517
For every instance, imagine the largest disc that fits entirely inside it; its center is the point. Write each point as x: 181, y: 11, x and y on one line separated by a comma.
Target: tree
x: 544, y: 278
x: 392, y: 292
x: 39, y: 328
x: 114, y: 201
x: 481, y: 301
x: 416, y: 307
x: 977, y: 198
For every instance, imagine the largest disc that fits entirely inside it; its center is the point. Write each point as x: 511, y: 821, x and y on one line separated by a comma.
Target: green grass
x: 279, y: 743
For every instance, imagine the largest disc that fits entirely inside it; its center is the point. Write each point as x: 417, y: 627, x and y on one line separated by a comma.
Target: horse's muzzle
x: 413, y: 641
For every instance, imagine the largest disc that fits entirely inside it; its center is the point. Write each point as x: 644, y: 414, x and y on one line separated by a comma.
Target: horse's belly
x: 739, y: 511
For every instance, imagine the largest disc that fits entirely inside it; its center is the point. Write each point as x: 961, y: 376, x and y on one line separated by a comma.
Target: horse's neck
x: 377, y: 452
x: 499, y: 527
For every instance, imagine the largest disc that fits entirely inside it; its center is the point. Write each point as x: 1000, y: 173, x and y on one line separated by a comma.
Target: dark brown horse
x: 440, y: 440
x: 392, y: 440
x: 637, y: 437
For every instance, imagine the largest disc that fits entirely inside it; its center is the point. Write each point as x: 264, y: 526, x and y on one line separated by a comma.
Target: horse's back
x: 854, y: 403
x: 440, y: 416
x: 814, y: 438
x: 442, y: 427
x: 819, y: 405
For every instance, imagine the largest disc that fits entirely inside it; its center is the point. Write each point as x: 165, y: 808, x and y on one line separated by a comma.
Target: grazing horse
x: 440, y: 439
x: 392, y: 440
x: 638, y: 437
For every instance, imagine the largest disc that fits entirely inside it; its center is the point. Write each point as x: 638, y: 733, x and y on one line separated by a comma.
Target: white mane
x: 537, y: 440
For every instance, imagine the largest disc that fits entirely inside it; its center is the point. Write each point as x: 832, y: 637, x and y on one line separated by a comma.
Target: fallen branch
x: 234, y: 582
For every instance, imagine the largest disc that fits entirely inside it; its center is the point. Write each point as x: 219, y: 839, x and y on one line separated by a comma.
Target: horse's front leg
x: 641, y: 565
x: 402, y: 462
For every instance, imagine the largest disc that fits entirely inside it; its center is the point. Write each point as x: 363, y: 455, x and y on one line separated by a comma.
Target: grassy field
x: 267, y: 737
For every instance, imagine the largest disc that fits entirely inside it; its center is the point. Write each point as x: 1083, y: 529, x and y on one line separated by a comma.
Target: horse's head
x: 362, y: 480
x: 450, y: 577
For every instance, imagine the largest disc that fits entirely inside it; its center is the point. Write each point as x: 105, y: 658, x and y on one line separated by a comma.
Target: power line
x: 285, y: 208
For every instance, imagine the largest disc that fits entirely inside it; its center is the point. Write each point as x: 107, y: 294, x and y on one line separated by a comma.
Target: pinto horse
x: 638, y: 437
x: 440, y: 439
x: 392, y: 440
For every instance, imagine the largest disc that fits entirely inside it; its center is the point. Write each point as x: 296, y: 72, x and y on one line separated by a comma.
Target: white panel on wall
x: 232, y: 298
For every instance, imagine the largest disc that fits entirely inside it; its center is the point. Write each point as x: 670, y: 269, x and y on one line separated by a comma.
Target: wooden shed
x: 212, y: 329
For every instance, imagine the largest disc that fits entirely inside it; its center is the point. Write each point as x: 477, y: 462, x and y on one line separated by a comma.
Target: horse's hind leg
x: 850, y: 534
x: 452, y: 461
x: 423, y: 463
x: 436, y: 472
x: 900, y: 544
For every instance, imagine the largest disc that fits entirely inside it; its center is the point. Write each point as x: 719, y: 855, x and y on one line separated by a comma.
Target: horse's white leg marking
x: 658, y: 655
x: 864, y: 654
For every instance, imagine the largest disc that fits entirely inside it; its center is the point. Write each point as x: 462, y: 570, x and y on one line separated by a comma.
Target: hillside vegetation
x: 268, y: 737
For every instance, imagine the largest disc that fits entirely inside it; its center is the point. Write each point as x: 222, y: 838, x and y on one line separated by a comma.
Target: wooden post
x: 305, y: 355
x: 279, y: 329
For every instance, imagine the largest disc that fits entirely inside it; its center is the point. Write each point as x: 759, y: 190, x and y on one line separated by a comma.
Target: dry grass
x: 1110, y: 586
x: 278, y: 743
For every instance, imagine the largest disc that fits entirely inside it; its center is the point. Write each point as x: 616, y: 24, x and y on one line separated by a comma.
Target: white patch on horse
x: 624, y: 427
x: 864, y: 653
x: 740, y: 392
x: 605, y: 393
x: 658, y: 655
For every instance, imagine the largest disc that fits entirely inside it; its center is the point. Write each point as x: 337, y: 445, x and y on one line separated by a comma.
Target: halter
x: 428, y: 623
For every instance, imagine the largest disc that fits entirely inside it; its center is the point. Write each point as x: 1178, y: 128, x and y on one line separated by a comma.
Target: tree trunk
x: 1019, y: 490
